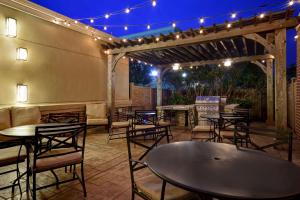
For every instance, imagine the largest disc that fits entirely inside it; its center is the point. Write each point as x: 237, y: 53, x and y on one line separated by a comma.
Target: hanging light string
x: 126, y: 10
x: 202, y: 20
x: 260, y: 13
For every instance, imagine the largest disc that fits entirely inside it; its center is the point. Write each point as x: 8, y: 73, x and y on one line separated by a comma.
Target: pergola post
x: 270, y: 92
x: 297, y: 93
x: 112, y: 62
x: 159, y: 89
x: 270, y: 83
x: 280, y: 79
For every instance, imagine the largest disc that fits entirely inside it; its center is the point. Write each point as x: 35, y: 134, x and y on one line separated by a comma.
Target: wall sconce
x: 22, y: 93
x: 11, y: 27
x: 22, y: 54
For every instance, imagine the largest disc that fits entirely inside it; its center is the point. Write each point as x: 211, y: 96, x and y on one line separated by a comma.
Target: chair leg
x: 83, y: 180
x: 56, y: 178
x: 132, y: 194
x: 33, y: 186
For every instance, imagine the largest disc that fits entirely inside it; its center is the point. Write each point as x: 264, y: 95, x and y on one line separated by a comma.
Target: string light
x: 157, y: 39
x: 124, y: 40
x: 140, y: 39
x: 263, y: 61
x: 125, y: 28
x: 291, y: 3
x: 201, y: 20
x: 262, y: 15
x: 148, y: 27
x: 154, y: 3
x: 99, y: 38
x: 110, y: 39
x: 68, y: 24
x: 201, y: 31
x: 229, y: 25
x: 107, y: 16
x: 177, y: 36
x: 95, y: 39
x: 131, y: 59
x: 127, y: 10
x: 233, y: 15
x: 86, y: 27
x: 296, y: 37
x: 92, y: 20
x: 76, y: 22
x: 105, y: 28
x: 174, y: 24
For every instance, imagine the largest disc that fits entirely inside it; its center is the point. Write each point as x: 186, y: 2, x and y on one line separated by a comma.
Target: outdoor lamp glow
x: 176, y: 66
x: 184, y: 75
x: 11, y: 27
x: 154, y: 73
x: 22, y: 93
x: 22, y: 54
x: 227, y: 63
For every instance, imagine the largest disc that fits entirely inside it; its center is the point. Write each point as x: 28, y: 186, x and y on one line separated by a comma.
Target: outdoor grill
x: 206, y: 105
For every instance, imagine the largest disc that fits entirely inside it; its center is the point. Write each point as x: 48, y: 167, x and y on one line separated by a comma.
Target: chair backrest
x: 5, y: 121
x: 69, y: 117
x: 135, y: 137
x: 49, y: 133
x: 145, y: 117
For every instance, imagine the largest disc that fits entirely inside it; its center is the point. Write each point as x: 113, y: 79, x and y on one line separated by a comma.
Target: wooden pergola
x: 256, y: 39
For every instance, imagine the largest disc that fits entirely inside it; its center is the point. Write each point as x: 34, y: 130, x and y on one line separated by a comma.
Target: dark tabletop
x: 25, y: 131
x: 222, y: 170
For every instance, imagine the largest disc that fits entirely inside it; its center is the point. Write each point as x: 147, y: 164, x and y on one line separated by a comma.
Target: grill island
x: 207, y: 105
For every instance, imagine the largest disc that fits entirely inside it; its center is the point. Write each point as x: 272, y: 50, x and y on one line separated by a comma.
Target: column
x: 280, y: 80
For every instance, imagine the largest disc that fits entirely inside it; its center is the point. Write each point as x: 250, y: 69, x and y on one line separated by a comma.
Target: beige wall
x: 63, y: 65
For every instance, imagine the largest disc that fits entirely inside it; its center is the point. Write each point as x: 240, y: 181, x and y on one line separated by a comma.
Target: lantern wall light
x: 22, y: 54
x: 11, y: 27
x: 22, y: 93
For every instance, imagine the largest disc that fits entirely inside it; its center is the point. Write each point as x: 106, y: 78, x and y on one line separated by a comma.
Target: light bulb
x: 127, y: 10
x: 92, y: 20
x: 291, y: 3
x: 177, y: 36
x: 157, y: 39
x: 154, y: 3
x: 105, y: 28
x: 107, y: 16
x: 229, y: 25
x: 262, y: 15
x: 201, y: 20
x: 124, y: 40
x: 233, y: 15
x: 76, y: 22
x: 174, y: 24
x: 148, y: 27
x: 125, y: 28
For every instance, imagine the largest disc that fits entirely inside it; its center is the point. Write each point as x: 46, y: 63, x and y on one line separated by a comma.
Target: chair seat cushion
x: 201, y: 129
x: 139, y: 127
x: 97, y: 121
x: 151, y: 186
x: 58, y: 161
x: 124, y: 124
x: 164, y: 123
x: 9, y: 156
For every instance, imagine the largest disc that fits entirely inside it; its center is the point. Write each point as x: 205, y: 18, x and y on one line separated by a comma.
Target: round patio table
x: 26, y: 133
x: 225, y: 171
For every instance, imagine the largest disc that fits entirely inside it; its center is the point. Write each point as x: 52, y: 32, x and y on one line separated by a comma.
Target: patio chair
x: 11, y: 153
x: 144, y: 119
x: 165, y: 120
x: 202, y: 131
x: 149, y: 187
x: 117, y: 129
x: 61, y: 154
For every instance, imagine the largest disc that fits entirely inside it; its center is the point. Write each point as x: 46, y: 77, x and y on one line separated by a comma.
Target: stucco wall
x: 63, y: 65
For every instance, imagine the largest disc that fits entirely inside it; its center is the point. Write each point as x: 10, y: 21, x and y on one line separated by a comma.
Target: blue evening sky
x: 182, y: 11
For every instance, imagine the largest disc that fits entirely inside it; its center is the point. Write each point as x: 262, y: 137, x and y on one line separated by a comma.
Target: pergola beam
x: 213, y: 36
x: 218, y: 61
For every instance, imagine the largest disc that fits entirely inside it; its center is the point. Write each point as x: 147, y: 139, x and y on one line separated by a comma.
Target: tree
x: 139, y: 73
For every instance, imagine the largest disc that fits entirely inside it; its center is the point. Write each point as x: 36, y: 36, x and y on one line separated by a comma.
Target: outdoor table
x: 26, y: 133
x: 224, y: 171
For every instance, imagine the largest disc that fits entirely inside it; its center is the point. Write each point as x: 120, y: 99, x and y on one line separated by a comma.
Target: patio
x: 107, y: 172
x: 82, y: 117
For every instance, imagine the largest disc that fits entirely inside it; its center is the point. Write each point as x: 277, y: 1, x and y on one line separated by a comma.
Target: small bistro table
x: 225, y: 171
x: 26, y: 133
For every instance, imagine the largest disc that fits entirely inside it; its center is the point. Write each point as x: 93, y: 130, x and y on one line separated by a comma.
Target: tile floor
x: 107, y: 171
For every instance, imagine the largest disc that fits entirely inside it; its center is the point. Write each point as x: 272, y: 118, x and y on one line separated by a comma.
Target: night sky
x: 184, y: 12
